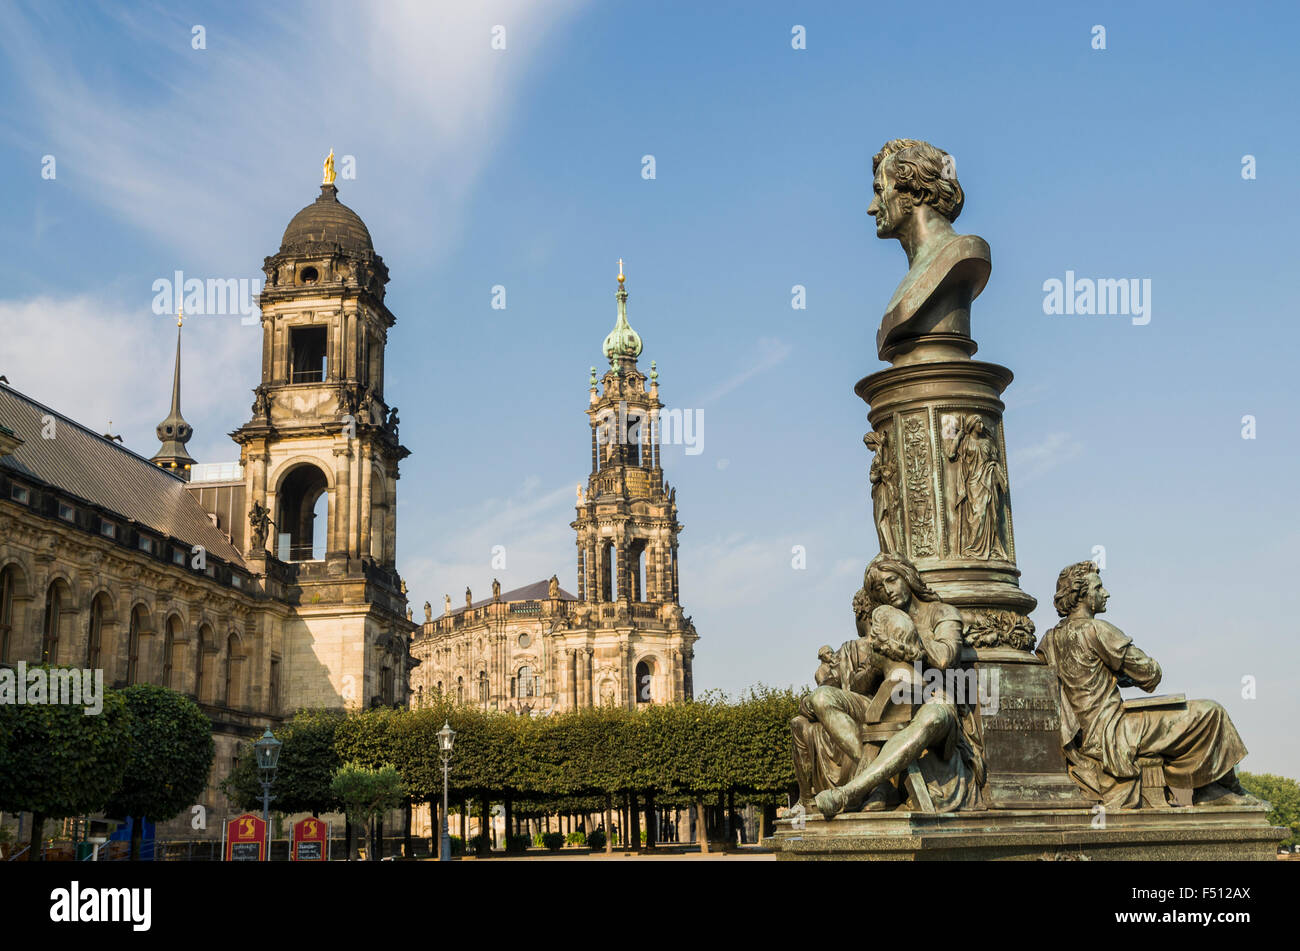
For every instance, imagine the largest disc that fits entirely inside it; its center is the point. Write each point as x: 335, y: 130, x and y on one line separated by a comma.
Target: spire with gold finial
x: 623, y: 343
x: 174, y: 432
x: 329, y: 169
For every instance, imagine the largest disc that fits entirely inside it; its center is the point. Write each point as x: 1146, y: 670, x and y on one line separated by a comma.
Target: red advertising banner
x: 245, y: 839
x: 310, y: 837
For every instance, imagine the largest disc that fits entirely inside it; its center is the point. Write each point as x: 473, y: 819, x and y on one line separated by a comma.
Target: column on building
x: 342, y: 496
x: 589, y: 672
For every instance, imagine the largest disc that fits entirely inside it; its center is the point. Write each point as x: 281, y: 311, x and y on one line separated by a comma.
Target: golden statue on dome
x: 329, y: 169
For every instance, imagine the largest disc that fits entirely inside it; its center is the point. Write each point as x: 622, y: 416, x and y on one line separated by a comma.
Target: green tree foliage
x: 305, y: 771
x: 367, y: 793
x: 579, y: 761
x: 170, y: 756
x: 59, y: 762
x: 1282, y: 795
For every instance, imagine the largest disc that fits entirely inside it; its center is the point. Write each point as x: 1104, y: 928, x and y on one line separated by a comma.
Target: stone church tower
x: 320, y: 458
x: 623, y: 639
x: 627, y: 524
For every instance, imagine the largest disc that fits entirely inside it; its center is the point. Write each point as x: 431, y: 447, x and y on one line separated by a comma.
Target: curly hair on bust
x: 924, y: 172
x: 1071, y: 585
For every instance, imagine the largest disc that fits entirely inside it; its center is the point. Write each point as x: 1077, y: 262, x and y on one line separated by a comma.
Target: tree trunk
x: 347, y: 837
x: 484, y: 827
x: 435, y: 830
x: 464, y: 823
x: 609, y: 827
x: 406, y: 829
x: 634, y: 808
x: 725, y: 817
x: 651, y: 821
x: 137, y: 834
x: 701, y: 827
x: 38, y: 826
x: 509, y: 821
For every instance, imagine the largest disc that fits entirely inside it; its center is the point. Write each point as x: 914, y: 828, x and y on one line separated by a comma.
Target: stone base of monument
x: 1196, y: 833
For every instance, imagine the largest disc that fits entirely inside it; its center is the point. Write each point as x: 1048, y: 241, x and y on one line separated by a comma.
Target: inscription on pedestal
x: 1022, y: 737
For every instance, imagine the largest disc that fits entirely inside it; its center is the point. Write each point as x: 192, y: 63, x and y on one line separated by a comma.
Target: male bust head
x: 917, y: 195
x: 1079, y: 591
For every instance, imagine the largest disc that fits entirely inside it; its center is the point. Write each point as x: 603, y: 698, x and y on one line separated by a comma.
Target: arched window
x: 169, y: 650
x: 607, y: 556
x: 525, y: 679
x: 139, y: 626
x: 57, y: 598
x: 378, y: 516
x: 234, y: 692
x: 637, y: 555
x: 8, y: 595
x: 482, y: 686
x: 643, y: 682
x: 99, y: 609
x: 303, y: 503
x: 204, y: 656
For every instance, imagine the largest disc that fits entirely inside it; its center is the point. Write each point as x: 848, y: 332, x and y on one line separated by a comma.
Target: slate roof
x: 84, y: 464
x: 529, y: 592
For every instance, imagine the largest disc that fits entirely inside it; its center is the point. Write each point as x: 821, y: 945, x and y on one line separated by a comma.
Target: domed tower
x: 321, y: 451
x: 627, y: 527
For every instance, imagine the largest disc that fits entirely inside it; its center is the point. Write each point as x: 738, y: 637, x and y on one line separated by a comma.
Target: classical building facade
x: 258, y: 587
x: 623, y: 638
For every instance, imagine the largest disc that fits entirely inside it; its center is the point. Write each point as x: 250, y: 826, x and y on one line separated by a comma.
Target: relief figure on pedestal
x: 884, y: 478
x: 852, y: 737
x: 981, y: 488
x: 1107, y: 745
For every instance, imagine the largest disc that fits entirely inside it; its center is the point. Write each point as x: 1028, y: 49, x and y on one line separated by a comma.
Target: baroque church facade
x: 257, y: 587
x: 623, y: 638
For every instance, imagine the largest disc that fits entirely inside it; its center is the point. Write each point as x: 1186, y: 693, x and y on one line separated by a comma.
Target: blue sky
x: 522, y: 167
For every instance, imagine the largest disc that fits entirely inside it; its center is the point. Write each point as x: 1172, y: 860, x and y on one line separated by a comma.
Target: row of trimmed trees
x: 145, y: 755
x: 594, y: 761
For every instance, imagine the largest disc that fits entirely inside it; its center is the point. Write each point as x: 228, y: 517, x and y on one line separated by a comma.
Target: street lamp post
x: 268, y: 754
x: 446, y: 736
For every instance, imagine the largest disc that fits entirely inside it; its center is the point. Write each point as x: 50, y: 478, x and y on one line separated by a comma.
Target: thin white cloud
x: 1033, y: 462
x: 95, y: 362
x: 195, y: 147
x: 532, y: 528
x: 767, y: 353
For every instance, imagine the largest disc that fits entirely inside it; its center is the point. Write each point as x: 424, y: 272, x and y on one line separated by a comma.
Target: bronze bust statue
x: 917, y: 199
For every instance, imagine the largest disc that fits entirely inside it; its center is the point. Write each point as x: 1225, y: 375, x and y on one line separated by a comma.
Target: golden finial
x: 180, y: 314
x: 329, y: 169
x: 620, y: 270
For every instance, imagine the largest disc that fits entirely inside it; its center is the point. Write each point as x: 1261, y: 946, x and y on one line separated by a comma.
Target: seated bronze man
x: 1196, y: 742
